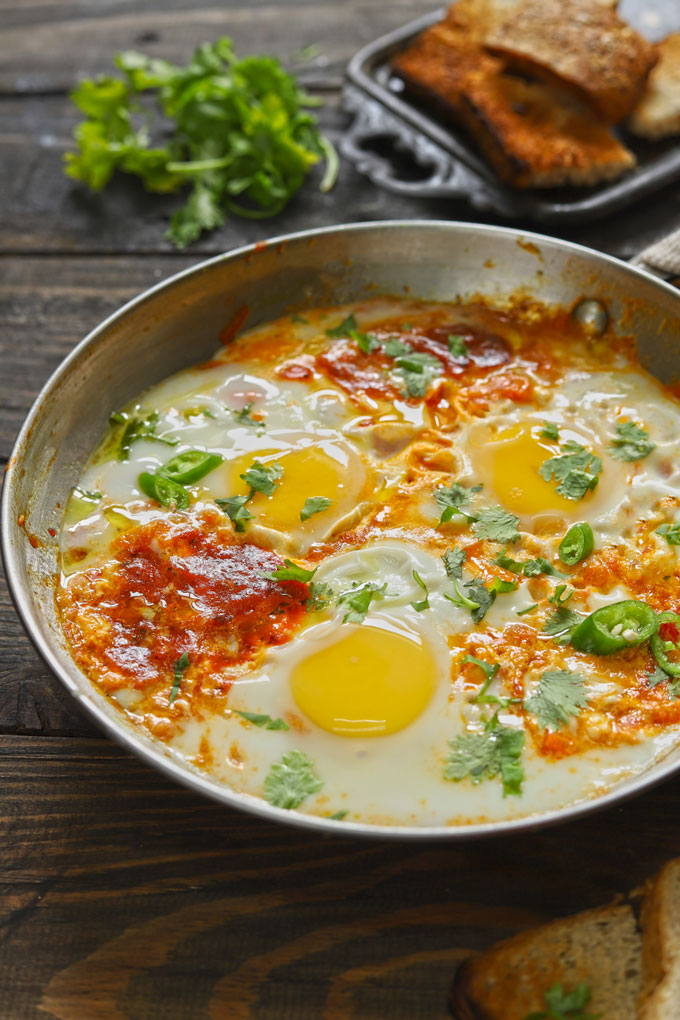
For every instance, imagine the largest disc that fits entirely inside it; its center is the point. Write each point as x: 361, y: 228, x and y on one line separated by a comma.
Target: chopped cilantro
x: 338, y: 816
x: 262, y: 479
x: 671, y: 532
x: 484, y: 755
x: 450, y: 501
x: 461, y: 600
x: 138, y: 428
x: 244, y: 417
x: 657, y: 677
x: 497, y: 525
x: 562, y: 620
x: 559, y: 597
x: 529, y: 568
x: 358, y: 599
x: 563, y: 1005
x: 527, y: 609
x: 314, y: 505
x: 291, y: 572
x: 343, y: 329
x: 453, y: 562
x: 489, y: 670
x: 483, y: 598
x: 180, y: 665
x: 396, y: 348
x: 418, y: 368
x: 291, y: 780
x: 631, y: 443
x: 575, y: 469
x: 458, y: 347
x: 263, y: 721
x: 550, y: 430
x: 559, y: 696
x: 425, y: 603
x: 366, y: 342
x: 500, y: 586
x: 87, y: 495
x: 320, y: 596
x: 236, y: 510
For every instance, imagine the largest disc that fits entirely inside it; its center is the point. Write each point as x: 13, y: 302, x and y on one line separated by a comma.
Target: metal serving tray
x: 451, y: 166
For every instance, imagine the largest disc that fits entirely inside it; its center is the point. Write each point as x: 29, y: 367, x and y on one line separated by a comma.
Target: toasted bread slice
x: 535, y: 137
x: 599, y: 948
x: 660, y: 921
x: 437, y: 64
x: 578, y: 44
x: 657, y: 115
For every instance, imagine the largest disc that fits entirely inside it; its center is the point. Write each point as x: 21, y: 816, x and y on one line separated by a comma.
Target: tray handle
x: 447, y: 178
x: 662, y: 258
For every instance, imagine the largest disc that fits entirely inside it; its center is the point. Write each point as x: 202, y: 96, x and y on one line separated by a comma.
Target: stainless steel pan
x: 176, y: 324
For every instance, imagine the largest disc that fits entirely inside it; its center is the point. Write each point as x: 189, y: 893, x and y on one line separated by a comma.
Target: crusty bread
x: 533, y: 135
x: 657, y: 115
x: 660, y: 920
x: 578, y: 44
x: 436, y: 65
x: 600, y: 948
x: 536, y: 138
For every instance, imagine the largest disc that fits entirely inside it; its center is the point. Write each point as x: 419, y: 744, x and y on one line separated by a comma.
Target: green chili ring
x: 578, y: 543
x: 163, y: 490
x: 190, y: 466
x: 616, y: 627
x: 656, y: 644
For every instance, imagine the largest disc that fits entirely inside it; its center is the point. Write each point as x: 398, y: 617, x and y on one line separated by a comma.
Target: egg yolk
x: 509, y: 463
x: 371, y: 682
x: 324, y: 469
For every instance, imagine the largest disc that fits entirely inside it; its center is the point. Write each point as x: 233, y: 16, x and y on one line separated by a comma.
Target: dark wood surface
x: 122, y: 896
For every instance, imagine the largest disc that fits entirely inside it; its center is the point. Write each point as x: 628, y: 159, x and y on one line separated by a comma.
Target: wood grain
x: 128, y: 897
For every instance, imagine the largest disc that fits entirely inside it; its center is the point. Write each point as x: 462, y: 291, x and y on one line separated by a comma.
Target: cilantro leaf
x: 87, y: 495
x: 314, y: 505
x: 565, y: 1006
x: 425, y: 603
x: 483, y: 597
x: 450, y: 501
x: 631, y: 443
x: 343, y: 329
x: 495, y: 524
x: 460, y: 599
x: 489, y: 670
x: 366, y: 342
x: 671, y: 532
x: 454, y: 559
x: 291, y: 780
x: 550, y: 430
x: 657, y: 677
x: 244, y: 417
x: 263, y: 721
x: 236, y: 510
x: 482, y: 756
x: 180, y: 665
x: 263, y: 479
x: 418, y: 368
x: 500, y: 586
x: 237, y: 133
x: 561, y: 621
x: 458, y: 347
x: 358, y: 600
x: 527, y: 609
x: 575, y: 469
x: 320, y: 596
x: 559, y: 696
x: 138, y: 428
x: 396, y: 348
x: 338, y: 816
x: 291, y: 572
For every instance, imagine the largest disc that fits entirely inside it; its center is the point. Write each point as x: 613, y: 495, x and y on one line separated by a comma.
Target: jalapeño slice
x: 666, y: 642
x: 616, y: 627
x: 190, y: 466
x: 578, y: 543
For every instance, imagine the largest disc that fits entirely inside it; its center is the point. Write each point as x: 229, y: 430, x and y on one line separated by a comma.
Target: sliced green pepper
x: 665, y: 641
x: 615, y: 627
x: 578, y: 543
x: 163, y: 490
x: 190, y: 466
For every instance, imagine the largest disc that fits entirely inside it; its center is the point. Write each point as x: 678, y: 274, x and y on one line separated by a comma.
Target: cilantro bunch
x: 236, y: 132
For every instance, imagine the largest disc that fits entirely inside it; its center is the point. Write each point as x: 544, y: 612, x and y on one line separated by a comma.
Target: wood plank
x: 127, y: 898
x: 39, y: 41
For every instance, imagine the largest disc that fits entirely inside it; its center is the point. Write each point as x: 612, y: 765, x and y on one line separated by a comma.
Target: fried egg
x: 397, y: 643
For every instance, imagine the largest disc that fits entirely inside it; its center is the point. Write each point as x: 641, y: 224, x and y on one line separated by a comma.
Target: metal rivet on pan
x: 592, y: 316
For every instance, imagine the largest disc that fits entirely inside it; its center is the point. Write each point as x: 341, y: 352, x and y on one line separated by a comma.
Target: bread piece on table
x: 436, y: 65
x: 660, y: 920
x: 657, y: 115
x: 600, y: 948
x: 536, y: 137
x: 579, y: 44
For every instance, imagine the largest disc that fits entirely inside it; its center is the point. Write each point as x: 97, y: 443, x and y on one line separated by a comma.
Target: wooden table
x: 125, y: 897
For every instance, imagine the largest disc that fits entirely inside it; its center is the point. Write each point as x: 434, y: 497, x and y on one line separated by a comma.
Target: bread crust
x: 582, y: 46
x: 660, y: 922
x: 657, y: 115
